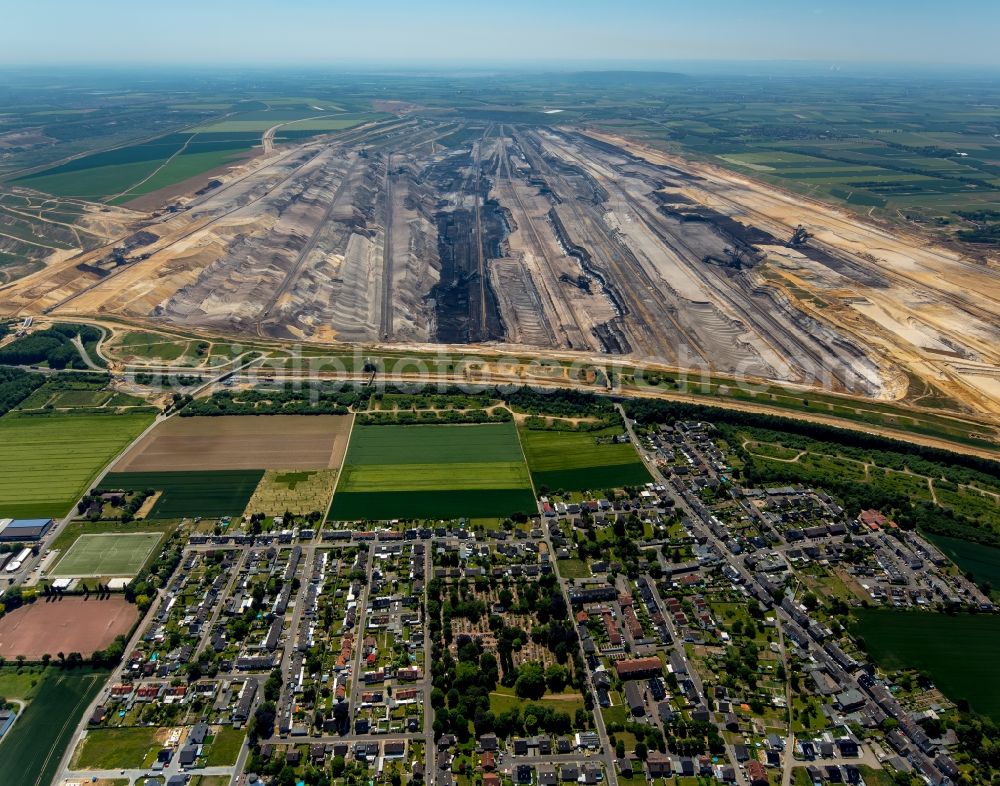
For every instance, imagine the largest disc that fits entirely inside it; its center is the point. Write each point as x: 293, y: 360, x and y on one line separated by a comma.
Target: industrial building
x: 23, y: 529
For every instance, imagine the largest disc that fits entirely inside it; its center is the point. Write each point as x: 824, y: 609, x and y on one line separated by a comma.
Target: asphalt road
x: 602, y: 731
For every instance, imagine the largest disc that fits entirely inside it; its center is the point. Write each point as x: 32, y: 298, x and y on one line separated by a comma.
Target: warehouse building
x: 12, y: 530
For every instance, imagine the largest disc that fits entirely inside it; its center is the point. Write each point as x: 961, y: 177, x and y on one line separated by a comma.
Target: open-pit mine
x: 548, y: 240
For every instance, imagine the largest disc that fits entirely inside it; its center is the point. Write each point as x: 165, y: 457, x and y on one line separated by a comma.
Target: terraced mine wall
x: 610, y: 334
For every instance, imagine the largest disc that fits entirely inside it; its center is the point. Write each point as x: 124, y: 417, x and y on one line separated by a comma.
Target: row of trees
x: 214, y: 407
x: 405, y: 417
x: 142, y: 589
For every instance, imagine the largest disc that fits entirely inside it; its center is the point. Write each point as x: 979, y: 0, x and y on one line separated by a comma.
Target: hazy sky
x: 319, y: 32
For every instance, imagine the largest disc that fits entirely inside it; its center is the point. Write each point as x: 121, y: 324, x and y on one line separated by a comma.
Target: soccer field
x: 108, y: 555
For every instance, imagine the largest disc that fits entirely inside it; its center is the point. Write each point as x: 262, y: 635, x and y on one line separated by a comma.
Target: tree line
x: 15, y: 386
x: 53, y: 346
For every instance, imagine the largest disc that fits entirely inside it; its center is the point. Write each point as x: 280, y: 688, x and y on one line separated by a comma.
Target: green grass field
x: 81, y: 398
x: 179, y: 169
x: 128, y: 747
x: 31, y: 751
x: 225, y: 747
x: 504, y: 699
x: 94, y: 183
x: 574, y: 461
x: 434, y: 477
x: 436, y: 471
x: 20, y: 683
x: 107, y: 555
x: 434, y: 444
x: 185, y: 494
x: 132, y: 170
x: 959, y: 652
x: 150, y: 346
x: 573, y: 569
x: 47, y: 462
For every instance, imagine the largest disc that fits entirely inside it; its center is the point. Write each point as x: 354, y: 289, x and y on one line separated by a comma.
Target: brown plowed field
x: 71, y: 624
x: 287, y: 442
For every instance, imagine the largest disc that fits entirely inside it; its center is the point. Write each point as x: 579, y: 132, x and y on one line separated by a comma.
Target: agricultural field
x: 983, y: 562
x: 124, y: 173
x: 297, y: 491
x: 48, y: 461
x: 870, y: 149
x: 578, y: 461
x: 202, y: 155
x: 101, y: 555
x: 196, y: 493
x: 294, y: 124
x: 67, y: 624
x: 31, y: 751
x: 283, y: 442
x: 936, y: 643
x: 436, y: 471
